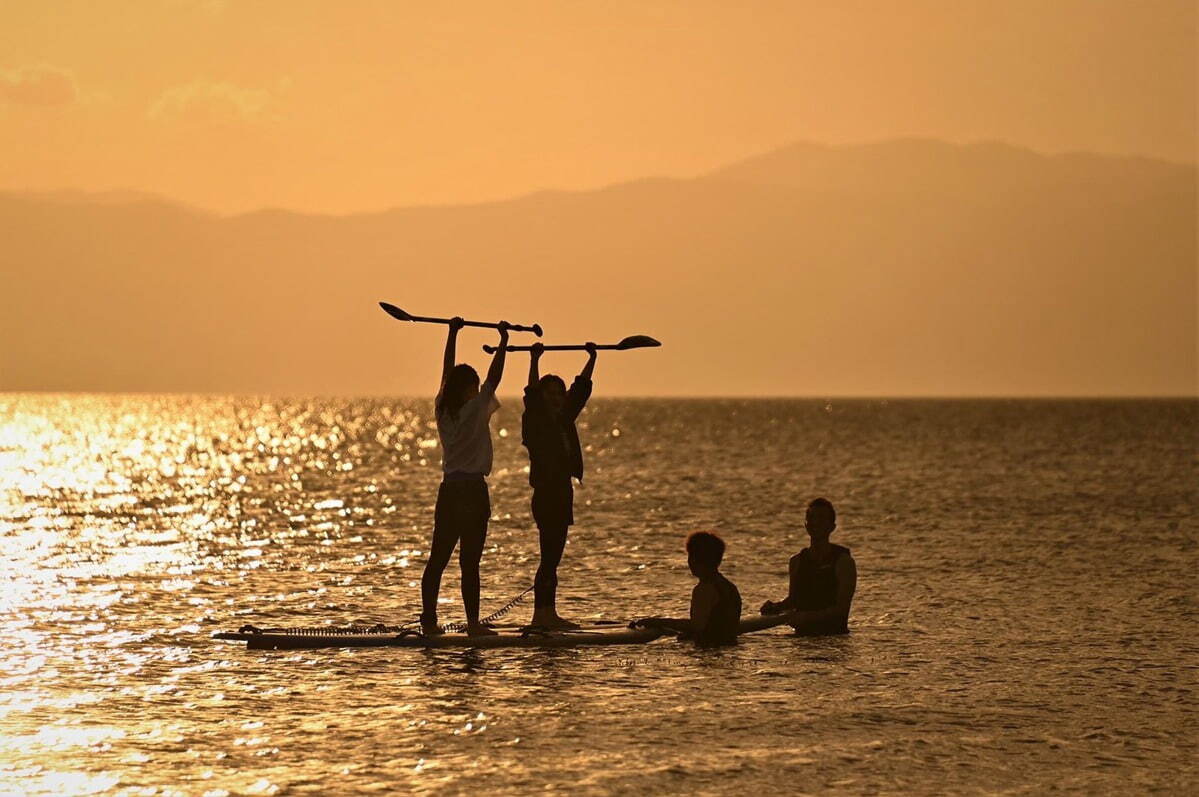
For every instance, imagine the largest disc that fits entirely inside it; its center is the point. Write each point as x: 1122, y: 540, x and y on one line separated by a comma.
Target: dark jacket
x: 553, y: 441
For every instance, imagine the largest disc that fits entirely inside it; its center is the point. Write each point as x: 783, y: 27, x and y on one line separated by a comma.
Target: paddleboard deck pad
x: 299, y: 639
x: 379, y: 636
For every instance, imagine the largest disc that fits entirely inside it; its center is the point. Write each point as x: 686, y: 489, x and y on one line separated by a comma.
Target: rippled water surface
x: 1025, y: 618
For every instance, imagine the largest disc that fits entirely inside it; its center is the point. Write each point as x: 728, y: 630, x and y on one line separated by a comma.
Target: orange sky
x: 349, y: 106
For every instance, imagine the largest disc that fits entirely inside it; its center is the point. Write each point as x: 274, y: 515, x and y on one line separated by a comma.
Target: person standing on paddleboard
x: 548, y: 431
x: 463, y: 410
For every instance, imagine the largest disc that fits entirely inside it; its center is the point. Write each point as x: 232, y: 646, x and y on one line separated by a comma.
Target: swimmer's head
x: 705, y: 550
x: 820, y: 519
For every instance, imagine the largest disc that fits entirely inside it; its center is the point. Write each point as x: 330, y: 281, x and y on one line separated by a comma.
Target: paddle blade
x: 637, y: 342
x: 395, y: 312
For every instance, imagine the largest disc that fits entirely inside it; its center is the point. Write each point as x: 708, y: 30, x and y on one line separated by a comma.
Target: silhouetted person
x: 823, y: 579
x: 548, y: 431
x: 715, y: 602
x: 463, y: 411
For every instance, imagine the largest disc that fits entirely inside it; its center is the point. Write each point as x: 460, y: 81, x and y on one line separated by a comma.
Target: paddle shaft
x: 576, y: 347
x: 401, y: 315
x: 487, y: 324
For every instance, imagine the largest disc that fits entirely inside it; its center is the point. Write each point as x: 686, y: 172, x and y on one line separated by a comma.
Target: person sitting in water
x: 548, y: 431
x: 715, y: 602
x: 823, y: 579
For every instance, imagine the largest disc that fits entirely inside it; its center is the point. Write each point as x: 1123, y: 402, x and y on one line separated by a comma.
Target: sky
x: 343, y: 107
x: 884, y: 243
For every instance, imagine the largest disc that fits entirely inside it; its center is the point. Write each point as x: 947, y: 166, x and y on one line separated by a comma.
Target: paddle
x: 631, y: 342
x: 399, y: 314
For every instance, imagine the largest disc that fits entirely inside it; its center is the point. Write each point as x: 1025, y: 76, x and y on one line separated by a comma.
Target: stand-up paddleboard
x: 613, y: 633
x: 296, y: 639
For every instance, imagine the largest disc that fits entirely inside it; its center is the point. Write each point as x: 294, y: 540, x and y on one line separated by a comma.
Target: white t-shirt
x: 466, y: 440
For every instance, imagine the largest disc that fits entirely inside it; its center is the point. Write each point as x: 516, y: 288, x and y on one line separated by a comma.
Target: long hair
x: 453, y: 393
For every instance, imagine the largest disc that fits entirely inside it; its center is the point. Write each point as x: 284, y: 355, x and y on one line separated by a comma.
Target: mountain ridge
x: 896, y: 145
x: 1075, y: 285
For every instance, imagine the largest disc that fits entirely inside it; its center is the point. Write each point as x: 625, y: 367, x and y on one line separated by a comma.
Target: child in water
x: 823, y: 578
x: 463, y: 410
x: 715, y: 601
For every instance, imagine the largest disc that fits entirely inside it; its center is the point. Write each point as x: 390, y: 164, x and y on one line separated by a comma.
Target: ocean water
x: 1025, y: 618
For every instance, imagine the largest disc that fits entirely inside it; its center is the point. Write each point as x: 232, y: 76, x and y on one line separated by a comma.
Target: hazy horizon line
x: 634, y: 396
x: 142, y: 195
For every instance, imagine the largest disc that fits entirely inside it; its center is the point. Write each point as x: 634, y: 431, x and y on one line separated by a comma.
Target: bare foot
x: 478, y: 629
x: 550, y: 619
x: 431, y: 629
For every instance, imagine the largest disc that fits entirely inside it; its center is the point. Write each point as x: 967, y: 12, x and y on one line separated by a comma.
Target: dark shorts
x: 554, y: 505
x: 463, y: 509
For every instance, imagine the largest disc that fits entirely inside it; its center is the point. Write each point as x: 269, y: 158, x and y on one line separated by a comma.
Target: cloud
x: 38, y: 86
x: 204, y: 100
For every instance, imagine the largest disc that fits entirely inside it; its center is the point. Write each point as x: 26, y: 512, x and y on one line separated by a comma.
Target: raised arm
x: 535, y: 352
x: 496, y: 372
x: 589, y: 368
x: 580, y: 390
x: 451, y: 349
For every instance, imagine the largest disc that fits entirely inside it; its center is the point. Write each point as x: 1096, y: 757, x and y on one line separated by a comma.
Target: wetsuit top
x: 553, y: 440
x: 724, y: 620
x: 814, y: 587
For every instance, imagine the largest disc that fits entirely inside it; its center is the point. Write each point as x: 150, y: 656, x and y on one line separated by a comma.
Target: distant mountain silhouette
x: 904, y: 268
x: 927, y: 167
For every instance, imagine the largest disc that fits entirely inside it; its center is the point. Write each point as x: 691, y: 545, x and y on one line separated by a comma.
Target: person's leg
x: 445, y: 537
x: 552, y: 512
x: 474, y: 536
x: 552, y: 537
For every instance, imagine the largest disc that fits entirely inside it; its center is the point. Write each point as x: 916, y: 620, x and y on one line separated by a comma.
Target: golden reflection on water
x: 131, y: 527
x: 106, y: 500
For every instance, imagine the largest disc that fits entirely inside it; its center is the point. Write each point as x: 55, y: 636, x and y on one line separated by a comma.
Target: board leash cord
x: 496, y: 615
